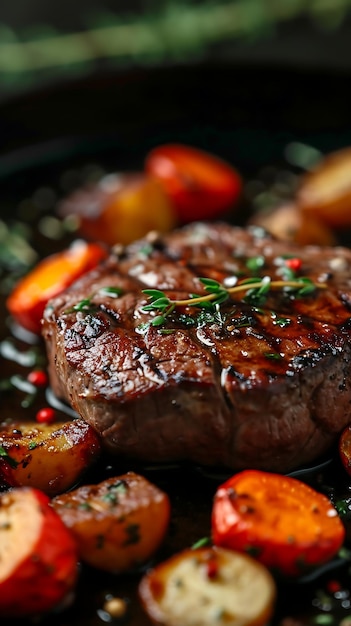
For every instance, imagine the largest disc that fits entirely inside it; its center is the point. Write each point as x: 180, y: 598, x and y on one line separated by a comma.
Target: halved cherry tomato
x: 284, y: 523
x: 39, y: 560
x: 345, y: 448
x: 121, y: 208
x: 50, y: 277
x: 199, y: 185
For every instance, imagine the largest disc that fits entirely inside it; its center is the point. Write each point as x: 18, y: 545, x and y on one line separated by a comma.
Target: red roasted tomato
x: 284, y: 523
x: 199, y: 185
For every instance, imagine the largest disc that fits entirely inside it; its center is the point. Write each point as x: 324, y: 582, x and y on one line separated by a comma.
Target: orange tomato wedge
x: 199, y: 185
x: 284, y: 523
x: 50, y: 277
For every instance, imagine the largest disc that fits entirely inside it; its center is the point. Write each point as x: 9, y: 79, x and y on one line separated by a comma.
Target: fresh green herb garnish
x: 115, y: 490
x: 87, y: 305
x: 307, y: 288
x: 256, y: 292
x: 113, y: 292
x: 165, y: 331
x: 200, y: 543
x: 243, y: 321
x: 219, y: 293
x: 83, y: 305
x: 287, y: 273
x: 5, y: 455
x: 256, y: 296
x: 146, y: 250
x: 158, y: 302
x: 274, y: 356
x: 281, y: 321
x: 111, y: 498
x: 343, y: 507
x: 85, y: 506
x: 121, y: 486
x: 210, y: 316
x: 255, y: 263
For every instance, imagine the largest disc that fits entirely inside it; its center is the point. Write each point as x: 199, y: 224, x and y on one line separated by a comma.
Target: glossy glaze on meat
x: 254, y: 386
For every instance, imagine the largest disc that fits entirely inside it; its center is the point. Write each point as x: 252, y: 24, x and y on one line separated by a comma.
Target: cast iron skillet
x: 246, y: 115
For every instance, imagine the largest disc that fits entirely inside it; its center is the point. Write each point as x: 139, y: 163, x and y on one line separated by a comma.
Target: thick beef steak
x: 261, y: 380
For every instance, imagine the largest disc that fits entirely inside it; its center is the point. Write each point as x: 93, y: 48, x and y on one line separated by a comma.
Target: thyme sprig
x: 255, y: 289
x: 6, y: 457
x: 87, y: 305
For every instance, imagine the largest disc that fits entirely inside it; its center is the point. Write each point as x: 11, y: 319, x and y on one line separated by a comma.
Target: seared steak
x: 261, y: 380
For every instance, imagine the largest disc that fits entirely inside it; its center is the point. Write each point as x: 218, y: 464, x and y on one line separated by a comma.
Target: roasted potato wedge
x: 208, y: 586
x: 325, y: 191
x: 345, y: 448
x: 289, y: 223
x: 120, y: 208
x: 119, y: 523
x: 50, y: 457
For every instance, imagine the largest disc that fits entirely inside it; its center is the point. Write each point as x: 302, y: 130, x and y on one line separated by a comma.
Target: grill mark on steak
x: 255, y: 388
x: 85, y: 331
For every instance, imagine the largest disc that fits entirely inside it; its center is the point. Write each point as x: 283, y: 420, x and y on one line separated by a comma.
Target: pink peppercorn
x: 294, y: 264
x: 38, y: 378
x: 212, y: 568
x: 333, y: 586
x: 45, y: 415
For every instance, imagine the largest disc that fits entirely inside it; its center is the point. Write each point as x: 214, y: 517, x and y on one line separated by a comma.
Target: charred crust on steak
x: 266, y: 387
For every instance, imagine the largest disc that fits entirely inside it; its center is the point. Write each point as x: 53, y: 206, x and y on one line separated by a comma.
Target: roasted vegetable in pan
x: 208, y: 586
x: 119, y: 523
x: 38, y: 556
x: 50, y: 457
x: 284, y: 523
x: 52, y: 275
x: 325, y: 191
x: 289, y: 223
x: 345, y: 448
x: 120, y: 208
x: 198, y: 184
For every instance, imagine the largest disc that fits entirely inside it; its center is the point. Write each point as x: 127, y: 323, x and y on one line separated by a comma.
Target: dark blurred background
x: 43, y: 41
x: 241, y: 78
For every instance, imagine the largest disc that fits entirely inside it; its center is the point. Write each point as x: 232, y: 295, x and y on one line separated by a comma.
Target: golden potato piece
x: 119, y: 523
x: 120, y: 208
x: 289, y: 223
x: 49, y: 457
x: 208, y: 586
x: 325, y: 192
